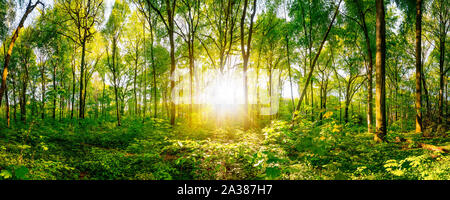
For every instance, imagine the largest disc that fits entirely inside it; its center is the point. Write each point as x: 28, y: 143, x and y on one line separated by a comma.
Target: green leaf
x: 21, y: 172
x: 6, y: 174
x: 273, y: 172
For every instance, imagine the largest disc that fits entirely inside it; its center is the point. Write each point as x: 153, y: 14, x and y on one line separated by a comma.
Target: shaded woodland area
x: 224, y: 89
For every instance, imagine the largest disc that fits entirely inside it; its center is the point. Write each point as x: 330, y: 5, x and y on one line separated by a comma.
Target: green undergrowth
x: 322, y: 150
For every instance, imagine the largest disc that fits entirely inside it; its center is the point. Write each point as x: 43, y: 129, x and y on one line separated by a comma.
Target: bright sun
x: 226, y: 91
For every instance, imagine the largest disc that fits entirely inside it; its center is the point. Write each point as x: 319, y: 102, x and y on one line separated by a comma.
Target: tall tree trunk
x: 246, y: 56
x: 7, y: 107
x: 426, y: 96
x: 191, y: 76
x: 14, y: 98
x: 144, y: 99
x: 370, y: 70
x: 442, y: 73
x: 419, y: 127
x: 321, y: 100
x: 23, y: 98
x: 43, y: 91
x: 312, y: 100
x: 172, y: 74
x: 54, y: 90
x: 380, y: 99
x: 61, y: 97
x: 103, y: 97
x: 289, y: 71
x: 73, y: 91
x: 86, y: 82
x: 347, y: 101
x: 116, y: 92
x: 155, y: 97
x: 134, y: 83
x: 81, y: 105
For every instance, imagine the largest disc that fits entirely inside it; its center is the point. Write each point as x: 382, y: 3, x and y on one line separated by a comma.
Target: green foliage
x: 3, y: 12
x: 14, y: 173
x: 153, y: 151
x: 122, y: 68
x: 211, y: 159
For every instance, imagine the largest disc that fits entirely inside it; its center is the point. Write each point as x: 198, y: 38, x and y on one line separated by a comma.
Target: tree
x: 152, y: 20
x: 380, y: 98
x: 22, y: 63
x: 190, y: 12
x: 134, y: 43
x: 79, y: 20
x: 112, y: 32
x: 353, y: 81
x: 361, y: 9
x: 441, y: 14
x: 246, y: 49
x: 419, y: 125
x: 53, y: 48
x: 30, y: 7
x: 315, y: 60
x: 169, y: 23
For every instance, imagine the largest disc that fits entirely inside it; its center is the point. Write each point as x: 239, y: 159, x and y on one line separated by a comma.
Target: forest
x: 224, y: 90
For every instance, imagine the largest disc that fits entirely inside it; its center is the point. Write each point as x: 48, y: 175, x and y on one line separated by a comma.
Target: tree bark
x: 419, y: 127
x: 442, y: 73
x: 155, y: 97
x: 23, y: 98
x: 380, y: 99
x: 7, y: 107
x: 54, y: 94
x: 116, y: 92
x: 83, y: 55
x: 73, y: 91
x: 43, y: 90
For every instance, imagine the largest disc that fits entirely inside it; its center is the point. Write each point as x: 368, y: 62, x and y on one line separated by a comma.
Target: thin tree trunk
x: 419, y: 127
x: 246, y: 56
x: 81, y: 105
x: 14, y: 98
x: 144, y: 99
x: 155, y: 97
x: 7, y: 107
x: 43, y: 91
x: 134, y: 84
x: 312, y: 100
x: 442, y: 74
x: 370, y: 70
x: 290, y: 73
x: 23, y: 98
x: 103, y: 97
x: 54, y: 90
x: 115, y: 81
x: 315, y: 60
x: 191, y: 76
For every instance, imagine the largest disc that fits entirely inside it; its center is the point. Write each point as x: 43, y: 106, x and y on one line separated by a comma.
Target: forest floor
x: 323, y: 150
